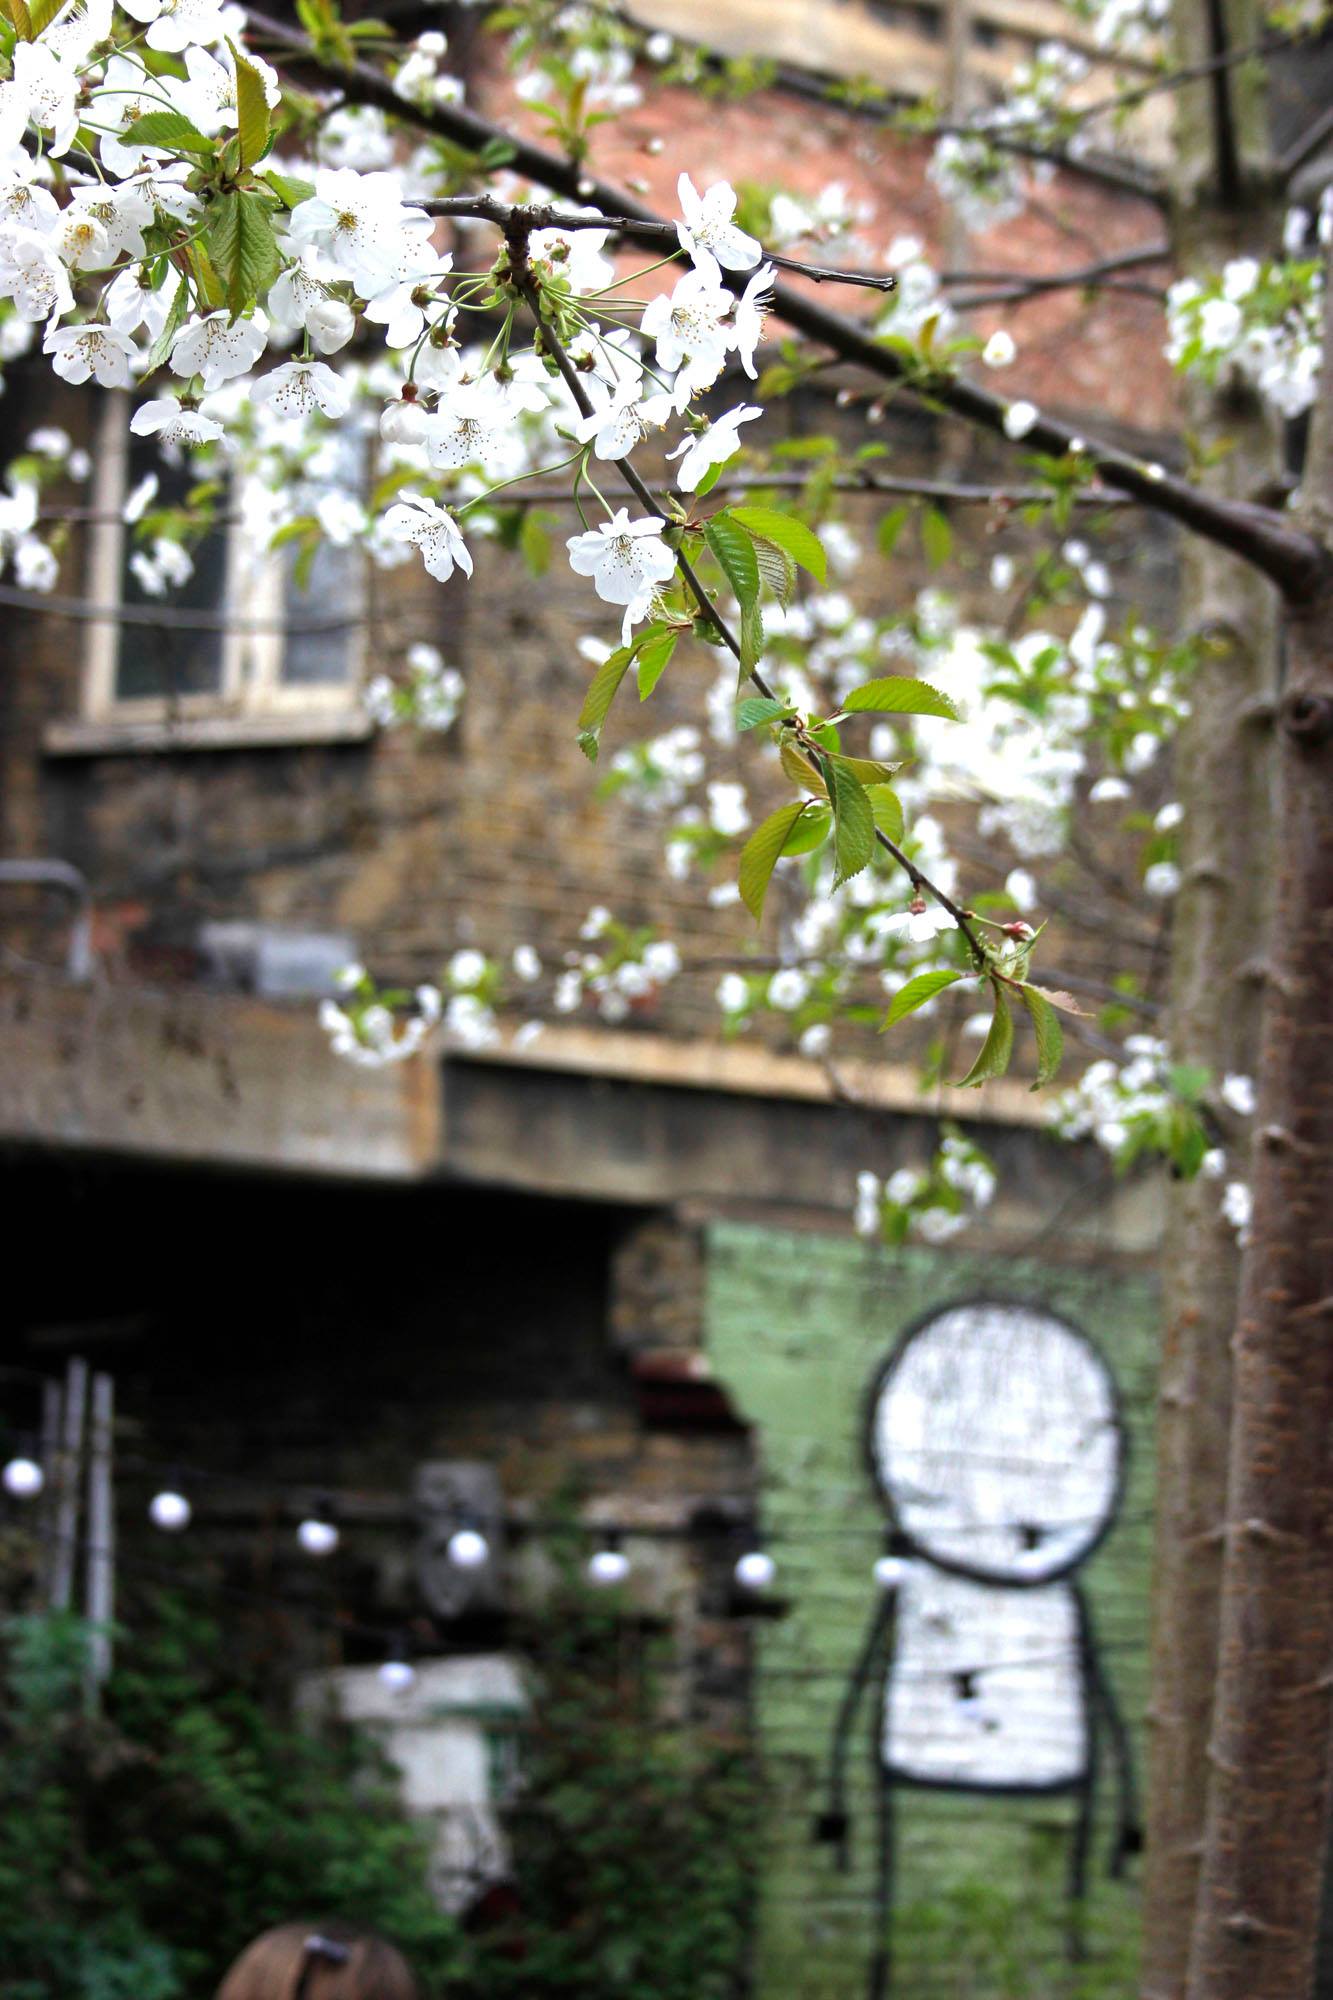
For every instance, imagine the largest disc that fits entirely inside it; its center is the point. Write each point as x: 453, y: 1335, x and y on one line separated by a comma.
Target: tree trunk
x: 1257, y: 1919
x: 1223, y: 768
x: 1222, y: 779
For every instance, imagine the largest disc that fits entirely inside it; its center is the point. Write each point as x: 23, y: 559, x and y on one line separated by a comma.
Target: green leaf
x: 758, y: 709
x: 888, y: 810
x: 175, y: 320
x: 597, y: 702
x: 252, y: 116
x: 809, y: 832
x: 890, y: 527
x: 243, y: 247
x: 799, y: 768
x: 936, y: 537
x: 654, y: 654
x: 1050, y: 1035
x: 290, y: 191
x: 853, y: 823
x: 899, y: 694
x: 735, y: 552
x: 43, y: 12
x: 172, y: 131
x: 752, y: 638
x: 997, y: 1048
x: 801, y: 544
x: 869, y: 770
x: 776, y: 568
x: 915, y: 994
x: 760, y: 854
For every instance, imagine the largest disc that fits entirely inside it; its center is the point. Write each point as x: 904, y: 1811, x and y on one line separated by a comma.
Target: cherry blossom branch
x: 516, y: 238
x: 1298, y: 563
x: 663, y: 235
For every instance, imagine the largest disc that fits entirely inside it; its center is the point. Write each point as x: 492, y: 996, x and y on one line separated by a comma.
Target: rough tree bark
x: 1223, y: 766
x: 1257, y: 1918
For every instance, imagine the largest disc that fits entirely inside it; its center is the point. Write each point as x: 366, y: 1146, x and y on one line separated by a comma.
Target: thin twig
x: 663, y: 235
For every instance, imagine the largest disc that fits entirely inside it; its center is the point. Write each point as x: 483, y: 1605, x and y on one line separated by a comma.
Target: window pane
x: 156, y: 660
x: 335, y: 586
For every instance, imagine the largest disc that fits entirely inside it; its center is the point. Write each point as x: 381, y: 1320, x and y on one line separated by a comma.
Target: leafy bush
x: 140, y: 1849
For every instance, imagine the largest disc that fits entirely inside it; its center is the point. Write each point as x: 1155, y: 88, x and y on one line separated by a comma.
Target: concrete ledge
x: 208, y: 732
x: 205, y: 1077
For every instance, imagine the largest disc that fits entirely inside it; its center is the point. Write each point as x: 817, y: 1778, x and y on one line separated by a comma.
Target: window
x: 251, y: 635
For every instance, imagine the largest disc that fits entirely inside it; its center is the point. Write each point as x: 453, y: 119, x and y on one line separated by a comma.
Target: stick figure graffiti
x: 995, y: 1441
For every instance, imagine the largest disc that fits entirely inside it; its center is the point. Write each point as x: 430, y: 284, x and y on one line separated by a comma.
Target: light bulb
x: 397, y: 1676
x: 755, y: 1570
x: 23, y: 1478
x: 317, y: 1538
x: 170, y: 1512
x: 889, y: 1572
x: 468, y: 1549
x: 608, y: 1566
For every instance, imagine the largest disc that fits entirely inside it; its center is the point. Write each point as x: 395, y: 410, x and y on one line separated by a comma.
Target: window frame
x: 251, y: 687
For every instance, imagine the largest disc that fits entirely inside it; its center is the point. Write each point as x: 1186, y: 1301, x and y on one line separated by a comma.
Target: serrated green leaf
x: 936, y: 537
x: 776, y: 568
x: 853, y: 823
x: 172, y: 131
x: 43, y: 13
x: 997, y: 1048
x: 735, y: 552
x: 252, y: 115
x: 800, y: 542
x: 22, y: 20
x: 1050, y: 1035
x: 654, y: 656
x: 758, y: 709
x: 915, y: 994
x: 242, y: 246
x: 899, y: 694
x: 760, y: 854
x: 597, y: 702
x: 888, y: 810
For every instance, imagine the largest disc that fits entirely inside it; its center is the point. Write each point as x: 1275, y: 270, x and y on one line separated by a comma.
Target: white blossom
x: 217, y: 347
x: 713, y: 446
x: 432, y: 529
x: 708, y: 225
x: 627, y: 561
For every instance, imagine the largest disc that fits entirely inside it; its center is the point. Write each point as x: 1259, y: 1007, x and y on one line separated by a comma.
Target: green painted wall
x: 796, y: 1326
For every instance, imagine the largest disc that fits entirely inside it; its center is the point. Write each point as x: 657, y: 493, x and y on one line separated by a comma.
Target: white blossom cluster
x: 627, y: 970
x: 1261, y: 321
x: 374, y: 1029
x: 934, y: 1202
x: 430, y: 697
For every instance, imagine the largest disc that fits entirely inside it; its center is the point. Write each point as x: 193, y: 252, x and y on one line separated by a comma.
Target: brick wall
x: 796, y: 1328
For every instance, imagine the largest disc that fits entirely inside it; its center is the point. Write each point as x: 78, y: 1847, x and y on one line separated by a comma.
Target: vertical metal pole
x: 50, y: 1460
x: 101, y: 1552
x: 67, y: 1485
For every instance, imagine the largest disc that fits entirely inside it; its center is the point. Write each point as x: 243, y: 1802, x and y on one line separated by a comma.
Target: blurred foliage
x: 142, y: 1846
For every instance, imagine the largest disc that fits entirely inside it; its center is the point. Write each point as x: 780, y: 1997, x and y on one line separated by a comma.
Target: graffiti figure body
x: 995, y: 1442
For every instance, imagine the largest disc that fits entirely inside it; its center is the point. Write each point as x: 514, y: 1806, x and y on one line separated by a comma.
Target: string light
x: 23, y: 1478
x: 317, y: 1537
x: 609, y: 1565
x: 468, y: 1549
x: 169, y: 1511
x: 755, y: 1570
